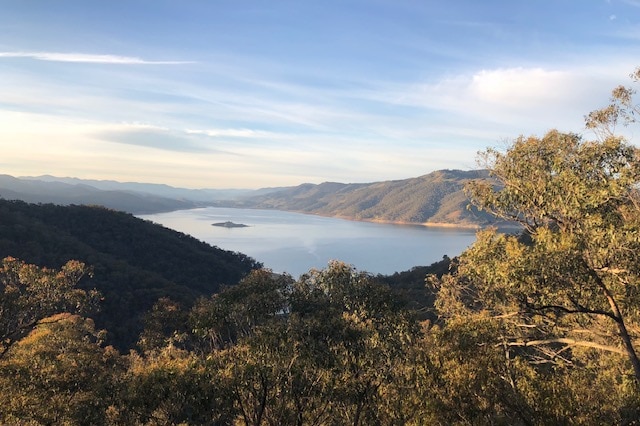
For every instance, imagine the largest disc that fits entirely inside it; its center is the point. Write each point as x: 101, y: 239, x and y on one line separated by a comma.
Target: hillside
x: 135, y: 261
x: 435, y: 198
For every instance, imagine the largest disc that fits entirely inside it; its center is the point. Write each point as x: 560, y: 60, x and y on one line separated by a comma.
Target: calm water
x: 295, y: 243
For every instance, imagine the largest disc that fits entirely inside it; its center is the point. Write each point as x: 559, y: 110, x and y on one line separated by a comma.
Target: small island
x: 229, y: 224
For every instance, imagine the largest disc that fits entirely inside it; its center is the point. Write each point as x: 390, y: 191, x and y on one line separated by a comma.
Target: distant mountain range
x: 55, y: 192
x: 437, y: 198
x: 159, y: 190
x: 130, y: 197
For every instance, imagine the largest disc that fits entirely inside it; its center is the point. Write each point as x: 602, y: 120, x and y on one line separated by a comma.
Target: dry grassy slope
x: 434, y: 198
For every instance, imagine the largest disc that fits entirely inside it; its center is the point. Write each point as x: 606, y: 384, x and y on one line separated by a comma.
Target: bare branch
x: 580, y: 310
x: 570, y: 342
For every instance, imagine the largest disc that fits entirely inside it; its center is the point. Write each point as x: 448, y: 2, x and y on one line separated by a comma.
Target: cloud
x: 151, y: 137
x: 509, y: 101
x: 233, y: 133
x: 507, y: 88
x: 88, y: 58
x: 516, y: 87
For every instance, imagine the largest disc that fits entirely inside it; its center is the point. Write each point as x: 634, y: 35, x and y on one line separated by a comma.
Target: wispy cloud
x: 88, y: 58
x: 233, y: 133
x: 519, y: 99
x: 151, y: 137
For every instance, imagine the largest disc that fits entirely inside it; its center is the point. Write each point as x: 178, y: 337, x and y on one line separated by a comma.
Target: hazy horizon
x: 52, y: 177
x: 199, y: 94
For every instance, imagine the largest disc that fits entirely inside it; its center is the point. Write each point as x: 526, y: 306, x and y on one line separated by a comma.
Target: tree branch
x: 570, y: 342
x: 564, y: 309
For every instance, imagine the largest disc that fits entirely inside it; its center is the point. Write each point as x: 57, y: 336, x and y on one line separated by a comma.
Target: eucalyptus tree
x: 171, y: 386
x: 367, y: 337
x: 330, y: 348
x: 60, y: 373
x: 572, y: 278
x: 621, y: 109
x: 29, y: 293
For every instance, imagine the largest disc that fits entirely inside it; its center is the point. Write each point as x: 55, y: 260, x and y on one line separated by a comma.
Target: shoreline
x: 425, y: 224
x: 465, y: 226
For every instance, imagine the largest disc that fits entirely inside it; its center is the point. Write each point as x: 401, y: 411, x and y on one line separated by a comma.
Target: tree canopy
x: 562, y: 296
x: 28, y: 294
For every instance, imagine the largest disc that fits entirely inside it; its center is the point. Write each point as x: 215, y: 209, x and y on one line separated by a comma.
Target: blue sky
x: 257, y: 93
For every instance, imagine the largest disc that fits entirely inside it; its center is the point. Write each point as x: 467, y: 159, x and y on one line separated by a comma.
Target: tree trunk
x: 624, y: 335
x: 622, y: 328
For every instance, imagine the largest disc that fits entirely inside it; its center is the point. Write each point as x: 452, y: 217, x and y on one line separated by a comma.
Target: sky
x: 264, y: 93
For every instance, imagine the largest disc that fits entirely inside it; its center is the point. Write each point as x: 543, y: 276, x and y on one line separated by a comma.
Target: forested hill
x: 435, y: 198
x: 135, y: 262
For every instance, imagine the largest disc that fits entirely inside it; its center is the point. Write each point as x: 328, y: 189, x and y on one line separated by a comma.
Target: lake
x: 294, y: 242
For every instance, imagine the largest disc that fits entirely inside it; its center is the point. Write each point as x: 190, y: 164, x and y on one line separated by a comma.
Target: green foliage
x: 59, y: 374
x: 469, y: 380
x: 561, y: 181
x: 474, y: 377
x: 171, y: 386
x: 579, y: 205
x: 408, y: 287
x: 331, y: 348
x: 164, y: 325
x: 29, y: 293
x: 334, y: 347
x: 621, y: 108
x: 556, y: 307
x: 367, y: 339
x: 236, y: 311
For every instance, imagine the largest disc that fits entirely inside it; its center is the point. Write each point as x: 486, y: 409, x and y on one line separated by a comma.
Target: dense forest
x: 538, y: 327
x: 133, y: 262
